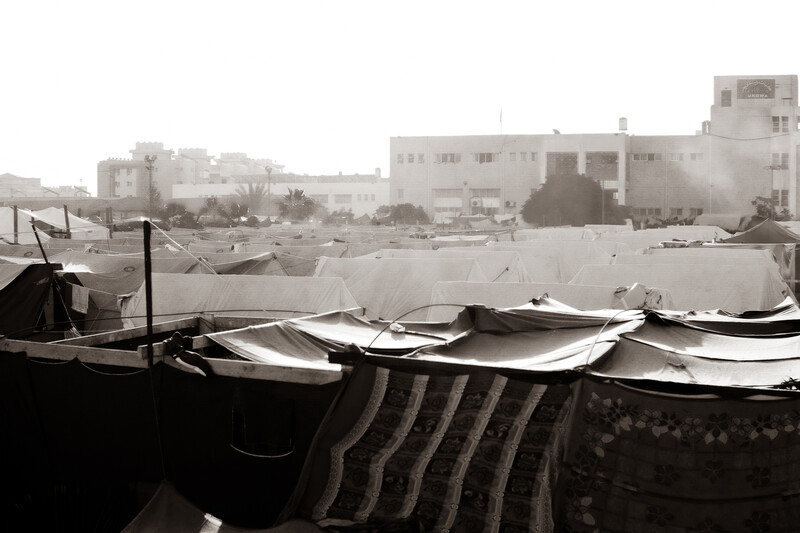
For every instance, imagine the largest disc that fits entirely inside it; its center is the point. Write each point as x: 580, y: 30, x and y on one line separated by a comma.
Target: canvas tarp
x: 497, y: 265
x: 397, y: 288
x: 24, y: 289
x: 768, y: 231
x: 652, y: 237
x: 180, y: 296
x: 557, y: 261
x: 447, y: 297
x: 733, y: 288
x: 25, y: 234
x: 78, y: 227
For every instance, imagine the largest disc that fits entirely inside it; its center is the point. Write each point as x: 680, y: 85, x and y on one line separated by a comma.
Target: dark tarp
x: 23, y: 297
x: 231, y: 445
x: 768, y: 231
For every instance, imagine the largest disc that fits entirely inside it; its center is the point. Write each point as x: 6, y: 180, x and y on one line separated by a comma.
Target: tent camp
x: 537, y: 418
x: 497, y: 265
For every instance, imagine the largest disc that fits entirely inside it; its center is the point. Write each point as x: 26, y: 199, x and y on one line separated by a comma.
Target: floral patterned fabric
x: 646, y: 462
x: 442, y: 453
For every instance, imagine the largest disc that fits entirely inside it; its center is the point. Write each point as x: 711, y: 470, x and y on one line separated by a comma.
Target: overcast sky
x: 321, y: 86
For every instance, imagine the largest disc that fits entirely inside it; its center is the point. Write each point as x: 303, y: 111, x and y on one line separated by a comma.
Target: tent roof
x: 768, y: 231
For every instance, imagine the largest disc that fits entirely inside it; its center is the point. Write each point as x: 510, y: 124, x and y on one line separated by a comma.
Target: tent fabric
x: 25, y: 232
x: 768, y: 231
x: 497, y: 265
x: 79, y: 228
x: 638, y: 462
x: 697, y: 286
x: 24, y: 289
x: 436, y: 452
x: 394, y: 288
x: 169, y: 512
x: 562, y: 259
x: 447, y: 296
x: 180, y: 296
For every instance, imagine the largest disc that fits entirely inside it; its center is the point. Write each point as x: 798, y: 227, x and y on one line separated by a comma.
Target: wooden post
x: 148, y: 291
x: 66, y: 219
x: 16, y: 226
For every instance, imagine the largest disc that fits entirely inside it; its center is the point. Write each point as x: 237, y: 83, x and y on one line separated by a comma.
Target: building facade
x: 748, y: 148
x: 193, y: 174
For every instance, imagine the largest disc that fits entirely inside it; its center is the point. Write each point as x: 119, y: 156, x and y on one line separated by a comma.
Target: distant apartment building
x: 12, y: 186
x: 748, y: 148
x: 192, y: 173
x: 361, y: 194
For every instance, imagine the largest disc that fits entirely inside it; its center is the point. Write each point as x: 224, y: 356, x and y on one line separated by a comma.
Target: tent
x: 24, y: 289
x: 78, y: 227
x: 731, y: 287
x: 497, y: 265
x: 768, y: 231
x: 179, y: 296
x: 395, y: 288
x: 24, y: 231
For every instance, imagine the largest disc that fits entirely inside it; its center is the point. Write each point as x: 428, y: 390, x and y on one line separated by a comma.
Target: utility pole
x: 149, y: 161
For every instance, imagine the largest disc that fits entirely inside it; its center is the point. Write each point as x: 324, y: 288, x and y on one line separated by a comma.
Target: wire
x: 405, y: 314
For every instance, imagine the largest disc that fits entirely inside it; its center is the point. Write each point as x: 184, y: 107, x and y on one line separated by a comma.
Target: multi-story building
x: 360, y: 193
x: 749, y: 148
x: 192, y: 174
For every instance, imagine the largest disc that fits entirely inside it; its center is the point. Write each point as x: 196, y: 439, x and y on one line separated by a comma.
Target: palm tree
x: 296, y: 205
x: 253, y: 196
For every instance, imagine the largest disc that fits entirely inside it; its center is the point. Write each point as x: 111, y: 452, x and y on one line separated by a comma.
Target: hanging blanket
x: 422, y: 452
x: 640, y: 461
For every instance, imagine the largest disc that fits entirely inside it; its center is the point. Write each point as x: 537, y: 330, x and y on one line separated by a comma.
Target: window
x: 725, y: 98
x: 780, y: 197
x: 420, y: 158
x: 647, y: 157
x: 695, y: 211
x: 647, y: 211
x: 399, y: 159
x: 116, y: 184
x: 696, y: 156
x: 780, y: 124
x: 448, y: 158
x: 533, y: 156
x: 523, y: 156
x: 372, y: 197
x: 342, y: 198
x: 321, y: 199
x: 675, y: 157
x: 780, y: 160
x: 410, y: 158
x: 485, y: 157
x: 601, y: 158
x: 358, y: 198
x: 512, y: 156
x: 676, y: 211
x: 129, y: 183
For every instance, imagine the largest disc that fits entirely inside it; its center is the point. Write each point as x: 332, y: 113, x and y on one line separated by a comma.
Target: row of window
x: 452, y: 157
x: 673, y: 211
x: 342, y: 198
x: 780, y: 197
x: 673, y: 156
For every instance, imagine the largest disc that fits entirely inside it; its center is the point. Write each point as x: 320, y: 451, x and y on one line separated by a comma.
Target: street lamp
x: 149, y: 161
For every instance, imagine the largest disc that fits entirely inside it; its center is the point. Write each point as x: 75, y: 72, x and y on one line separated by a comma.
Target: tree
x: 253, y: 196
x: 408, y: 214
x: 340, y: 216
x: 768, y: 208
x: 296, y: 205
x: 573, y: 200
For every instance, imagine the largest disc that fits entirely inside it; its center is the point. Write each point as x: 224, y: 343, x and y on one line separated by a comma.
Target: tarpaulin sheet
x: 497, y: 265
x: 733, y: 288
x: 180, y: 296
x: 80, y: 228
x: 397, y: 288
x: 447, y: 297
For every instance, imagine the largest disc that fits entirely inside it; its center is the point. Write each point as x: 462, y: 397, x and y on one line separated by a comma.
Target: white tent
x: 182, y: 295
x: 497, y: 265
x: 24, y: 233
x: 396, y: 288
x: 78, y: 227
x: 501, y: 295
x: 732, y: 288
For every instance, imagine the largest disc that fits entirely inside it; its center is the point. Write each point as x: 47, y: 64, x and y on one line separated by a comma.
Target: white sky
x: 321, y: 86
